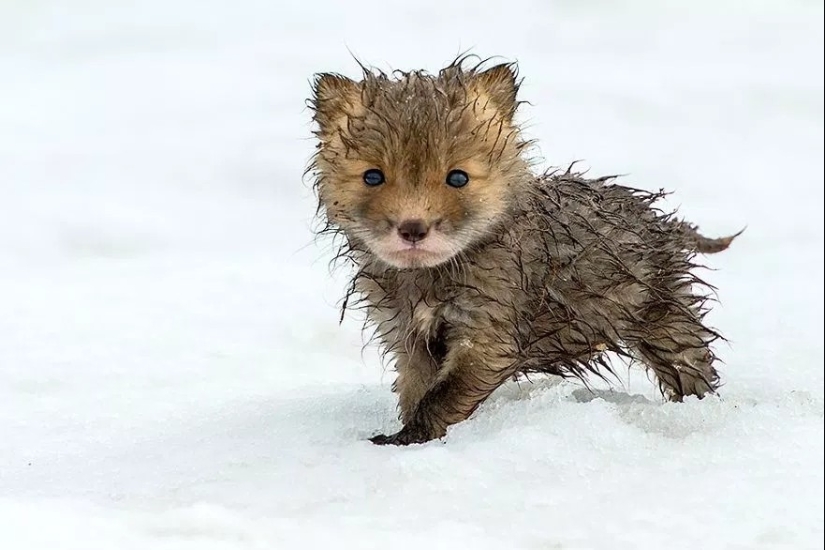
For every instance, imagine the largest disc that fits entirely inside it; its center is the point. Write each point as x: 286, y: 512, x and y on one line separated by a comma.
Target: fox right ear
x: 500, y: 84
x: 334, y: 98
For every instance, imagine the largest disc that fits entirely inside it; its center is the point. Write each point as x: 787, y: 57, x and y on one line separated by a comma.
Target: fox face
x: 418, y: 167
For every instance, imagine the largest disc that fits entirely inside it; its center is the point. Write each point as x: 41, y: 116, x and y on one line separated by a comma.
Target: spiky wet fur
x: 551, y: 272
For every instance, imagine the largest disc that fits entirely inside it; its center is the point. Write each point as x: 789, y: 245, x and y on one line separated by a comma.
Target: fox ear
x: 334, y: 97
x: 500, y: 85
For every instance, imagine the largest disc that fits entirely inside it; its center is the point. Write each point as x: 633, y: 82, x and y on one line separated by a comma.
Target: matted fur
x: 527, y: 273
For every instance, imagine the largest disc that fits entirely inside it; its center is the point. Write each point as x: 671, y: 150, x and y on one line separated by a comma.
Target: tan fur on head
x: 416, y: 128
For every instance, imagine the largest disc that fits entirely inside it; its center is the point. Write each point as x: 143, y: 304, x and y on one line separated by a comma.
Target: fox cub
x: 472, y: 269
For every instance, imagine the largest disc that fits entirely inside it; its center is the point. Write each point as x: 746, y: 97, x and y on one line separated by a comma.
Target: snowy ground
x: 172, y: 375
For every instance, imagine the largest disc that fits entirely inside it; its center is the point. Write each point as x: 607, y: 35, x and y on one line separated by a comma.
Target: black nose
x: 413, y: 230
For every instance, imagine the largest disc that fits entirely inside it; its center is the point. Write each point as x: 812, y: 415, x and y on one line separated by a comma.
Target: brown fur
x: 518, y: 273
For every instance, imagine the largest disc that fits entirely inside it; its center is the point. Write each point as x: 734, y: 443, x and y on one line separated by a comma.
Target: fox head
x: 415, y: 167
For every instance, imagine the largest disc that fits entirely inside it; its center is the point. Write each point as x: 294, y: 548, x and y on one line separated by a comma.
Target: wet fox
x: 473, y: 269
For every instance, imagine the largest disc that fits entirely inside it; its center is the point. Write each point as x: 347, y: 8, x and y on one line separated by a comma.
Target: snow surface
x: 172, y: 374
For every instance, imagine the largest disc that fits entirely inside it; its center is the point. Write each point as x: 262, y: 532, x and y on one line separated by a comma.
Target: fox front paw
x: 406, y: 436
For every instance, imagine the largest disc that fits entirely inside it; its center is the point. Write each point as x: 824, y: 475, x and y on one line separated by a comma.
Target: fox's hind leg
x: 671, y: 340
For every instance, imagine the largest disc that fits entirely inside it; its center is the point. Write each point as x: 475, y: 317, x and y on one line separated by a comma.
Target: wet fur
x: 546, y: 274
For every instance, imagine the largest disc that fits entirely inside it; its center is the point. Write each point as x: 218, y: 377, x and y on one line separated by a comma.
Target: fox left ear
x: 334, y: 97
x: 500, y: 84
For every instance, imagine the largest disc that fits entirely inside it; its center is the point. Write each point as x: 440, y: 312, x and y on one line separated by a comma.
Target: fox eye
x: 373, y: 177
x: 457, y: 178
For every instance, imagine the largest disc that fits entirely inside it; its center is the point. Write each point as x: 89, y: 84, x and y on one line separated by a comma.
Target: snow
x: 172, y: 373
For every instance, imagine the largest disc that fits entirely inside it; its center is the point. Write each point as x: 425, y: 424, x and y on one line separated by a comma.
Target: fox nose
x: 413, y: 231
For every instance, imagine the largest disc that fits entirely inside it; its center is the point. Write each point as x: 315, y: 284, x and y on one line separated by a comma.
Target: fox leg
x: 470, y: 373
x: 673, y: 342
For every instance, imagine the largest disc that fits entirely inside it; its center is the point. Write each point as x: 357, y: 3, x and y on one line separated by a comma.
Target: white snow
x: 172, y: 374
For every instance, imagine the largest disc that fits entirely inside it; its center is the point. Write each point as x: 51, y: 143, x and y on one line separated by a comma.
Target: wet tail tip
x: 705, y: 245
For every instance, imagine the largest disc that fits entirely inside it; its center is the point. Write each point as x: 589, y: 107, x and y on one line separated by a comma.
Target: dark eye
x: 373, y: 177
x: 457, y: 178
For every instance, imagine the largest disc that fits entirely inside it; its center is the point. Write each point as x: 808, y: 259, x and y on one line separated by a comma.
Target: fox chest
x: 405, y: 317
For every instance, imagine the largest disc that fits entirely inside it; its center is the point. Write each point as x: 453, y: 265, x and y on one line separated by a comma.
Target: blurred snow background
x: 172, y: 374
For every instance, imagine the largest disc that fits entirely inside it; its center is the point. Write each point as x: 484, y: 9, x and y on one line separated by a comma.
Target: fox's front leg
x: 417, y: 370
x: 470, y: 373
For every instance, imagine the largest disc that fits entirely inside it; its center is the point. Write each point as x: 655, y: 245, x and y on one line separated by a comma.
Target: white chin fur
x: 432, y: 251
